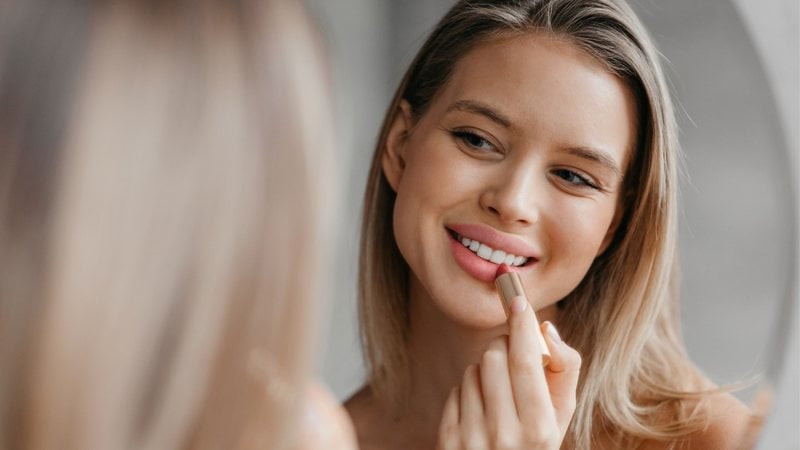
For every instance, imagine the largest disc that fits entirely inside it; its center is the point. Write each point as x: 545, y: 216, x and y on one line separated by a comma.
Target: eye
x: 575, y: 178
x: 473, y: 140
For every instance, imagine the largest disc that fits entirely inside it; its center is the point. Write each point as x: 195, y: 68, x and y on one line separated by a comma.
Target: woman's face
x: 522, y: 151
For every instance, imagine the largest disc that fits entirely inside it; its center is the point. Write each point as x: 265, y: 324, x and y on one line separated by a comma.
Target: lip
x: 478, y: 267
x: 494, y: 239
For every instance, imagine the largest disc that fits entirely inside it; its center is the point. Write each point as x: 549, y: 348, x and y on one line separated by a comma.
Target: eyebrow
x: 483, y: 109
x: 597, y: 156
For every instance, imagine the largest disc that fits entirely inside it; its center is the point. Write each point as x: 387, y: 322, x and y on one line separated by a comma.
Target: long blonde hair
x: 161, y: 179
x: 623, y: 315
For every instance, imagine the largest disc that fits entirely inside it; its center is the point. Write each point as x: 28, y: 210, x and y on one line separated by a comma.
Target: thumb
x: 562, y: 374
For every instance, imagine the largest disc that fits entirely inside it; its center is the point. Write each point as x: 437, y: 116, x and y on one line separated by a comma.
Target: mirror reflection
x: 736, y: 212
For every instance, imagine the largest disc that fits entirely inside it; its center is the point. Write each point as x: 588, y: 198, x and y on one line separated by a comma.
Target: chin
x: 476, y: 317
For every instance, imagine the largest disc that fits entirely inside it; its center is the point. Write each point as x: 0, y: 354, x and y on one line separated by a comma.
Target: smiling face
x: 518, y: 159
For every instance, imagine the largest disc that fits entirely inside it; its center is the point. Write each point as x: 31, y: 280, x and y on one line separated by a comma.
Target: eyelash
x: 467, y: 136
x: 582, y: 180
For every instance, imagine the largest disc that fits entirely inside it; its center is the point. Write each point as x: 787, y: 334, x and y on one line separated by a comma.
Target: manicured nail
x: 519, y: 304
x: 551, y: 330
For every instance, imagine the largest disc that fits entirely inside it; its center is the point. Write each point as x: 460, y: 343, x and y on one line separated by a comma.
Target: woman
x: 540, y: 134
x: 162, y: 180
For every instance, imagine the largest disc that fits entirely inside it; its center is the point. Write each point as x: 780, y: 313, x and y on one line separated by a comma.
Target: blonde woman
x: 162, y: 222
x: 538, y: 133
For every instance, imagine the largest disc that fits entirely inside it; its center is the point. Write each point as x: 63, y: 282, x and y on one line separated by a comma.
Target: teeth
x: 498, y: 256
x: 492, y: 255
x: 485, y: 252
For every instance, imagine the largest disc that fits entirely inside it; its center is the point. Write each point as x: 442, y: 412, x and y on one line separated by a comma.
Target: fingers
x: 498, y: 397
x: 471, y: 411
x: 562, y: 374
x: 568, y: 359
x: 528, y: 381
x: 448, y: 428
x: 463, y: 422
x: 510, y: 400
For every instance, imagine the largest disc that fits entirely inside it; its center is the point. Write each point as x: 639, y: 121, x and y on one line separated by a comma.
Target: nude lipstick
x: 509, y: 285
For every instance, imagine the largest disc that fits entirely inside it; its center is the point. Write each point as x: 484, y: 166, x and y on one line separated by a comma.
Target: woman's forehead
x: 534, y: 84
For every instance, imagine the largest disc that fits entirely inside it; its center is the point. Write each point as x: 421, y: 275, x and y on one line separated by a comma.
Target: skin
x: 522, y: 178
x: 324, y: 423
x: 529, y: 138
x: 458, y: 166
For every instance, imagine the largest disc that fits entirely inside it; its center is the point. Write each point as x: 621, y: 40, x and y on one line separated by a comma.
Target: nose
x: 513, y: 196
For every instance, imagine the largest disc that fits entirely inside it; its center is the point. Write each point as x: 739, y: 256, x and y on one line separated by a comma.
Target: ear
x: 393, y: 159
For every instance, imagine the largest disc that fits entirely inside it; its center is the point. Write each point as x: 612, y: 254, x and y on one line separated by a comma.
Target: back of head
x: 161, y: 179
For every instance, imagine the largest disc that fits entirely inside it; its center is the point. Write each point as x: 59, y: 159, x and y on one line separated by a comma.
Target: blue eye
x: 574, y: 178
x: 473, y: 140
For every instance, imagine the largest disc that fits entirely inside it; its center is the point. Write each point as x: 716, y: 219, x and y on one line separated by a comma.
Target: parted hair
x: 637, y: 382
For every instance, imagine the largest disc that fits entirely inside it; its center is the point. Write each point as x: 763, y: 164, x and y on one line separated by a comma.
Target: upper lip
x: 495, y: 239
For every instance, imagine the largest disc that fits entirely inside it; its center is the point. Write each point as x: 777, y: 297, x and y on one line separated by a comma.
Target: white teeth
x: 490, y: 254
x: 498, y: 256
x: 484, y: 252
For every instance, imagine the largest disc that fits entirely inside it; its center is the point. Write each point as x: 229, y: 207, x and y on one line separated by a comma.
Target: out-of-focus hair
x: 636, y: 379
x: 162, y: 172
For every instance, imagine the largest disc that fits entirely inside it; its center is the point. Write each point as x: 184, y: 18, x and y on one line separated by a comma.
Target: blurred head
x: 625, y: 290
x: 162, y: 187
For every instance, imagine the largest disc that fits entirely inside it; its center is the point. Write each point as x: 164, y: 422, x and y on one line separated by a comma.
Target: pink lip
x: 478, y: 267
x: 493, y: 238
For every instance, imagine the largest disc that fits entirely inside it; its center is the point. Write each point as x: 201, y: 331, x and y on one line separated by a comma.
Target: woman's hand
x: 510, y: 401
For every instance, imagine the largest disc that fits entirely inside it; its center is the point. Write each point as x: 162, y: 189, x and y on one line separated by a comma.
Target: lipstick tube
x: 509, y: 285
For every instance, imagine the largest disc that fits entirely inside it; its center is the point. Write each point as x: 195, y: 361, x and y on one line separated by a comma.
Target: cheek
x: 583, y: 235
x: 419, y: 196
x: 436, y: 179
x: 576, y: 234
x: 402, y: 223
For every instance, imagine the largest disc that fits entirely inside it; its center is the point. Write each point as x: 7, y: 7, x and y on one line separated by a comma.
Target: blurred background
x: 733, y: 68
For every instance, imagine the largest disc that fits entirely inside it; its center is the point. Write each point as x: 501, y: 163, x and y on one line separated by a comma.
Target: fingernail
x: 551, y: 330
x: 519, y: 304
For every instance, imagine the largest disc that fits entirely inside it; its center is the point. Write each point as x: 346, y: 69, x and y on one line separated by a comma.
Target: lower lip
x: 473, y: 264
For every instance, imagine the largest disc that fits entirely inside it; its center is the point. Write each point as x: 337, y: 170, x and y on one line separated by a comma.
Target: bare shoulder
x: 379, y: 427
x: 730, y: 424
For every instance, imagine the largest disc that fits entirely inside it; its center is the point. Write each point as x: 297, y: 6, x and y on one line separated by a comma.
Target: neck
x: 440, y: 349
x: 439, y: 352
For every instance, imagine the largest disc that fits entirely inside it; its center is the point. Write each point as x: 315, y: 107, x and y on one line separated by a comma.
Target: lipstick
x: 509, y: 285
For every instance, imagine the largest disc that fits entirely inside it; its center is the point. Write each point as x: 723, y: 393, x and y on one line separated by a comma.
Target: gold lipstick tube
x: 510, y: 285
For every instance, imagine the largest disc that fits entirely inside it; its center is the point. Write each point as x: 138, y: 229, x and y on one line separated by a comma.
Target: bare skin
x: 733, y: 427
x: 542, y: 171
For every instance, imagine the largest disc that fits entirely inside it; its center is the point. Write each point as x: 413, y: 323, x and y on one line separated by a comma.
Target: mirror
x: 733, y: 69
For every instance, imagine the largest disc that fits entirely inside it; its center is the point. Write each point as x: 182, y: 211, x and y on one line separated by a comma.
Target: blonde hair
x: 622, y: 317
x: 163, y: 166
